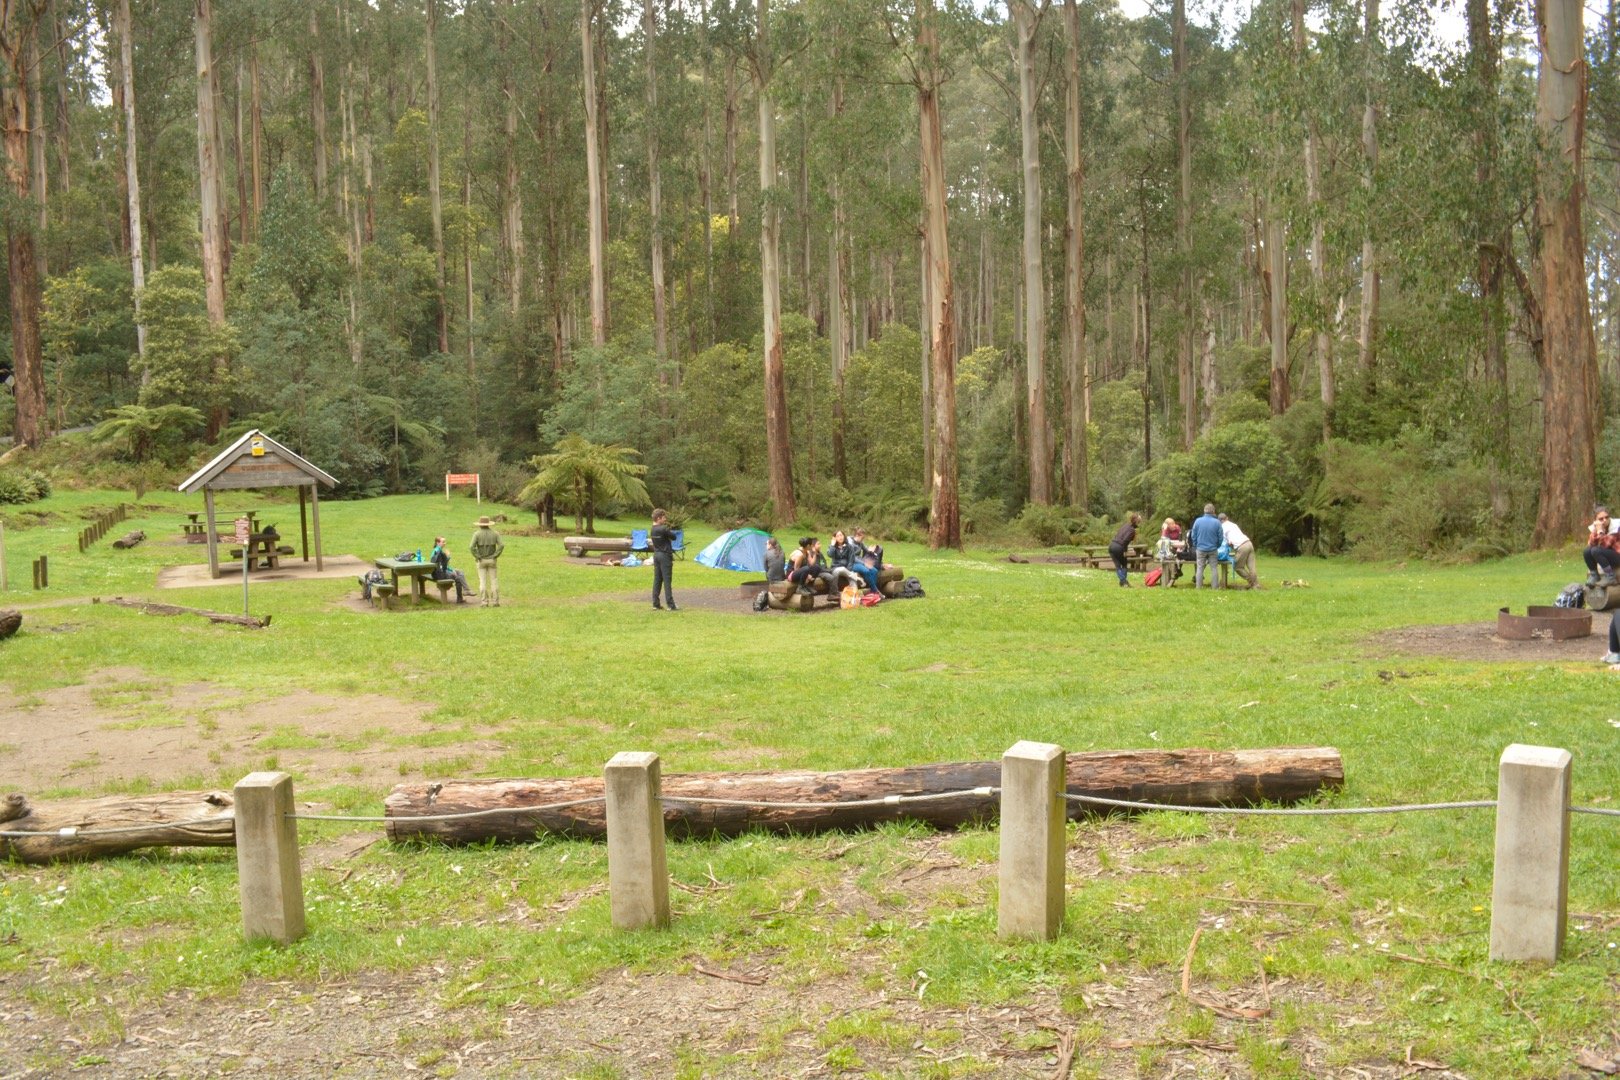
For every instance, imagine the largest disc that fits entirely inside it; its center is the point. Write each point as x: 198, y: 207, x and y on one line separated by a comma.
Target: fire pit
x: 1552, y: 623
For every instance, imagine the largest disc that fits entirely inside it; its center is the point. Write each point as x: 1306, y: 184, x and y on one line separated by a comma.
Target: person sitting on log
x: 807, y: 564
x: 440, y: 558
x: 1602, y: 552
x: 842, y: 552
x: 867, y: 570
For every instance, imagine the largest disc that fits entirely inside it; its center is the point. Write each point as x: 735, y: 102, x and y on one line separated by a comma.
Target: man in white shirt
x: 1242, y: 549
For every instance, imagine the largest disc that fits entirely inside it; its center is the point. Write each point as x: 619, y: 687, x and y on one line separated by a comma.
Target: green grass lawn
x: 567, y: 672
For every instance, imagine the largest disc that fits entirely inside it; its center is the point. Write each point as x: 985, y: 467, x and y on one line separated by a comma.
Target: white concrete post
x: 638, y: 879
x: 1032, y: 841
x: 1530, y: 894
x: 267, y: 858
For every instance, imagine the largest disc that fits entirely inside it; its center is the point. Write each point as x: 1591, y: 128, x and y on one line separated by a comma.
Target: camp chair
x: 678, y: 544
x: 638, y: 540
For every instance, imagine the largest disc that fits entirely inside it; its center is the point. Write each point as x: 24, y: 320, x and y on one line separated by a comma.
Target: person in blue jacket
x: 1205, y: 538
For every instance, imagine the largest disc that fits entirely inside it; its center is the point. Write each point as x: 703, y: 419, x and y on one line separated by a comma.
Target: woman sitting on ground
x: 440, y: 558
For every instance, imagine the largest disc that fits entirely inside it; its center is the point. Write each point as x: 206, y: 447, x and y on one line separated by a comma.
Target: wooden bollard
x: 638, y: 877
x: 1530, y: 887
x: 1032, y: 841
x: 271, y: 880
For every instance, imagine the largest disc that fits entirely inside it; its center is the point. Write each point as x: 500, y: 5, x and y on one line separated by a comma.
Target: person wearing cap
x: 486, y: 550
x: 440, y: 558
x: 662, y: 538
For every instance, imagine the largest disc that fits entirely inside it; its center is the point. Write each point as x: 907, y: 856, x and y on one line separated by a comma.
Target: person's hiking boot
x: 1610, y: 658
x: 672, y: 607
x: 1591, y: 577
x: 1607, y: 579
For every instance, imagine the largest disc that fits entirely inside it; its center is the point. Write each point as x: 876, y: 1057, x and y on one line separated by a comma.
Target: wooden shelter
x: 258, y: 461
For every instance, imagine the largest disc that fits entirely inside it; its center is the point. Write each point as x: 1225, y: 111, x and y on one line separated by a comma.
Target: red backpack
x: 1153, y: 576
x: 871, y: 599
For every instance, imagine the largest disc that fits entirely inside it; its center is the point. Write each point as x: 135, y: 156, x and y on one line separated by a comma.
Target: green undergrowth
x: 1374, y: 929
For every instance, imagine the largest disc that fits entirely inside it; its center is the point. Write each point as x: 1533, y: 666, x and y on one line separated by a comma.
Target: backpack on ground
x: 763, y: 600
x: 1153, y: 577
x: 1571, y: 596
x: 910, y: 589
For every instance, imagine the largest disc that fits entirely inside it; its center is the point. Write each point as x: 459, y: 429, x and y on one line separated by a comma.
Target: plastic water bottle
x: 418, y: 554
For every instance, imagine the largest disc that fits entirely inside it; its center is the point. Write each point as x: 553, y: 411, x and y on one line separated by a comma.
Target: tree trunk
x: 1077, y: 467
x: 777, y: 430
x: 511, y: 192
x: 649, y: 28
x: 597, y: 221
x: 1277, y: 281
x: 1176, y: 777
x: 839, y: 315
x: 240, y: 151
x: 1569, y: 384
x: 256, y: 123
x: 317, y: 104
x: 1493, y: 232
x: 36, y: 149
x: 63, y: 133
x: 945, y: 513
x: 173, y: 819
x: 1367, y: 335
x: 23, y: 269
x: 132, y: 175
x: 212, y: 220
x: 731, y: 148
x: 1322, y: 338
x: 1186, y: 384
x: 1025, y: 25
x: 435, y: 191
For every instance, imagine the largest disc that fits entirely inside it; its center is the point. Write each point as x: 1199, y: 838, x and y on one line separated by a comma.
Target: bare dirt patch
x: 1478, y: 641
x: 122, y: 727
x: 727, y: 600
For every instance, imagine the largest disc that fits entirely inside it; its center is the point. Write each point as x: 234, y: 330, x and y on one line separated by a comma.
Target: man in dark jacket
x: 663, y: 548
x: 1205, y: 537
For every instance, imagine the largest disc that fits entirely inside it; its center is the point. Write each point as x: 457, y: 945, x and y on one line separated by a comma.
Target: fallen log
x: 1179, y: 777
x: 129, y: 540
x: 115, y: 825
x: 10, y: 620
x: 258, y: 622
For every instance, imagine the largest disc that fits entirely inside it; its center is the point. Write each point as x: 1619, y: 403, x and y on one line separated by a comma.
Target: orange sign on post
x: 463, y: 479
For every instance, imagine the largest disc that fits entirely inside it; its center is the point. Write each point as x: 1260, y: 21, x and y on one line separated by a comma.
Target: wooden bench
x: 444, y: 588
x: 380, y: 594
x: 578, y: 546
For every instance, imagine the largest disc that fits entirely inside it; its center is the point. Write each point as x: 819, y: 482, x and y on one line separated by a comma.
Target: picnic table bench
x: 262, y: 550
x: 415, y: 573
x: 578, y: 546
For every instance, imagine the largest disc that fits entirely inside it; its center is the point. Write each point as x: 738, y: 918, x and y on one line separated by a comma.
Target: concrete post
x: 1032, y: 841
x: 1530, y: 894
x: 267, y: 858
x: 638, y: 879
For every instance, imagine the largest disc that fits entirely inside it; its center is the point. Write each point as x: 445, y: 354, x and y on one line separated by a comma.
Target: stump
x: 786, y: 596
x: 10, y: 620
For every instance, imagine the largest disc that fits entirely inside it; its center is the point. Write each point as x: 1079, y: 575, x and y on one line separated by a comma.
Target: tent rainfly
x: 258, y: 461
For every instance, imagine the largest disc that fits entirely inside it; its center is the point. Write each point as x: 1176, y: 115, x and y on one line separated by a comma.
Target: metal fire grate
x: 1552, y: 623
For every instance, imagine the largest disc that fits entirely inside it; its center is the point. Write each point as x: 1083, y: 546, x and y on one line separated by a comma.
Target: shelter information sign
x: 464, y: 479
x: 256, y: 448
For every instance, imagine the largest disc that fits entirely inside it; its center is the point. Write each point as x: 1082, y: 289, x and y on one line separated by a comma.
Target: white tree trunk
x: 1025, y: 25
x: 132, y: 175
x: 593, y: 172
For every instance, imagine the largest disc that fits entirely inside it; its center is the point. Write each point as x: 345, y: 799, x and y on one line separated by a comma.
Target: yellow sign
x: 258, y: 447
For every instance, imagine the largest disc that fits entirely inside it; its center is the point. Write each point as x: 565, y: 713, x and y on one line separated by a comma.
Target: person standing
x: 1121, y: 543
x: 662, y: 538
x: 486, y: 551
x: 1205, y: 536
x: 1242, y: 549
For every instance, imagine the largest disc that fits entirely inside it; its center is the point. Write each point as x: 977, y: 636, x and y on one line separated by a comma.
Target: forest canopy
x: 951, y: 268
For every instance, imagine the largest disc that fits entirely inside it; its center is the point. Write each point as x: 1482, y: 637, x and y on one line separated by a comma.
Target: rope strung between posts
x: 71, y: 832
x: 1319, y: 811
x: 886, y: 800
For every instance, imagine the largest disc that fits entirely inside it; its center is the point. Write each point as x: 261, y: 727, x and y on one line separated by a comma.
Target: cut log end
x: 10, y: 621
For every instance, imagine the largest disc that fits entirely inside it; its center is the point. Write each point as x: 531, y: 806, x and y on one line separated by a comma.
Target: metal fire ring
x: 1552, y: 623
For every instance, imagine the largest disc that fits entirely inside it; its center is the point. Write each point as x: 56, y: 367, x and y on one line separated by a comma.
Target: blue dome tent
x: 739, y: 549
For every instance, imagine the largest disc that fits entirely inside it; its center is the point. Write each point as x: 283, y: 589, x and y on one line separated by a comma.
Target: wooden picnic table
x: 416, y: 571
x: 260, y: 551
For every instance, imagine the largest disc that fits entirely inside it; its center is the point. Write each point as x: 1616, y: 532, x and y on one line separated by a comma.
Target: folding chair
x: 638, y: 540
x: 678, y: 544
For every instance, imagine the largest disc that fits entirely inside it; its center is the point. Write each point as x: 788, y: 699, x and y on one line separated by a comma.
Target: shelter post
x: 315, y: 514
x: 213, y: 548
x: 303, y: 523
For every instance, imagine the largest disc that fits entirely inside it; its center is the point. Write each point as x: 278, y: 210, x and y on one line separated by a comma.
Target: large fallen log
x: 10, y: 620
x: 1180, y: 777
x: 115, y: 824
x: 257, y: 622
x: 129, y: 540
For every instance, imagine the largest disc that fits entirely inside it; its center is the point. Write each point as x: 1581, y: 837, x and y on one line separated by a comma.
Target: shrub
x: 19, y: 486
x: 1047, y: 525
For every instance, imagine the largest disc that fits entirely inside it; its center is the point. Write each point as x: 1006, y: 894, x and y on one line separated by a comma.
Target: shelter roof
x: 256, y: 461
